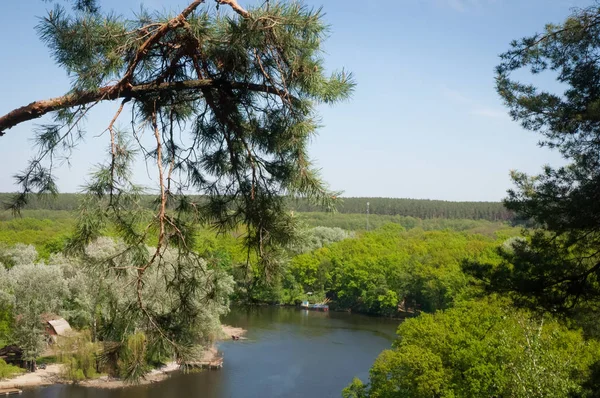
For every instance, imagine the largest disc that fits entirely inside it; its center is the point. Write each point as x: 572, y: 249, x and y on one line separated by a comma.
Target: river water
x: 288, y: 353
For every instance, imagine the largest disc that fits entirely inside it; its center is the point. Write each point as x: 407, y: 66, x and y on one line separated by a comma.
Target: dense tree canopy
x: 184, y: 300
x: 378, y: 271
x: 419, y: 208
x: 480, y: 349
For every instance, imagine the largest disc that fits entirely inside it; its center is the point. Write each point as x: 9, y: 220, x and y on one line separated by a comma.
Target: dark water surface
x: 289, y: 353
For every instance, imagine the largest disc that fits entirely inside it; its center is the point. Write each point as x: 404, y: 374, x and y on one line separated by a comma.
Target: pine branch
x: 158, y: 34
x: 124, y: 88
x: 235, y: 6
x: 108, y: 93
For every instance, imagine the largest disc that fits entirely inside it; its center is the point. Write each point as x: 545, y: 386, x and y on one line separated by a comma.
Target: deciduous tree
x: 480, y: 349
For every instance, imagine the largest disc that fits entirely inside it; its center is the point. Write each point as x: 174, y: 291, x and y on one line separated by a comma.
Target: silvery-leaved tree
x: 228, y: 96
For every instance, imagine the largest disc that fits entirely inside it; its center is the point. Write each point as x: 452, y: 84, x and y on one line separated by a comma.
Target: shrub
x: 7, y: 370
x: 79, y: 355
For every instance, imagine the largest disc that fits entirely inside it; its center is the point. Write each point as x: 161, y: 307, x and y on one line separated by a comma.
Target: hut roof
x: 10, y: 350
x: 60, y: 326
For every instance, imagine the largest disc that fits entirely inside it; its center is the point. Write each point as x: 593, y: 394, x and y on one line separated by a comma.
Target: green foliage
x: 47, y: 360
x: 356, y: 389
x: 315, y: 238
x: 7, y: 322
x: 182, y: 296
x: 47, y: 230
x: 230, y: 101
x: 61, y: 204
x: 358, y: 222
x: 379, y: 270
x: 419, y: 210
x: 237, y: 137
x: 19, y: 254
x: 80, y: 357
x: 7, y: 371
x: 481, y: 349
x: 31, y: 290
x: 228, y: 253
x: 132, y: 358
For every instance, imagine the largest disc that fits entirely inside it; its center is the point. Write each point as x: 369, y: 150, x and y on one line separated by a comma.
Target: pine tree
x: 229, y: 97
x: 557, y: 265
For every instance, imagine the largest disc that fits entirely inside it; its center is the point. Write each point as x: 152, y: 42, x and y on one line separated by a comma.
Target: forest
x: 320, y: 243
x: 497, y: 299
x: 532, y: 328
x: 403, y: 261
x: 396, y: 269
x: 418, y: 208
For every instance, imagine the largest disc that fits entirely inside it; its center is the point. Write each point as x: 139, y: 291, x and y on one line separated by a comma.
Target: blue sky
x: 424, y: 122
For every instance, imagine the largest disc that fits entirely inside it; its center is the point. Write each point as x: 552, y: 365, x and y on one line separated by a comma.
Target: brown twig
x: 235, y: 6
x: 39, y: 108
x: 113, y: 146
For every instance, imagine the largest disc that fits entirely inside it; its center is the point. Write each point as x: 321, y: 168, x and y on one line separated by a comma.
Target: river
x: 288, y: 353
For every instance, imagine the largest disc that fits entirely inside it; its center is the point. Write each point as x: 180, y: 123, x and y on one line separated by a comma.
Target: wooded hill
x: 418, y: 208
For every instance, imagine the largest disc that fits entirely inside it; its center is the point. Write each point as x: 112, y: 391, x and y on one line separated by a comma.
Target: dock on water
x: 10, y: 391
x: 315, y: 307
x: 211, y: 365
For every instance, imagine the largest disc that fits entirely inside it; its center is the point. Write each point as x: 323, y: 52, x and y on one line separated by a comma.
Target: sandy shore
x: 53, y: 373
x: 230, y: 331
x: 43, y: 377
x: 154, y: 376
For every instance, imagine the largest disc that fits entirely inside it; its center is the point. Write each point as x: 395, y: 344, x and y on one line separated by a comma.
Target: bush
x: 80, y: 357
x: 7, y: 370
x: 132, y: 363
x: 50, y: 359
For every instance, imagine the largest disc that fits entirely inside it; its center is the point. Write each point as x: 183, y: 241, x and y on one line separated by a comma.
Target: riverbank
x: 53, y: 373
x: 401, y: 315
x: 289, y: 353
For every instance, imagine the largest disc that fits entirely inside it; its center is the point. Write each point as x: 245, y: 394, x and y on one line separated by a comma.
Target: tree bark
x: 235, y: 6
x: 108, y: 93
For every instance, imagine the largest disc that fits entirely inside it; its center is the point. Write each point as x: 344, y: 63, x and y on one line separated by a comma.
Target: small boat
x: 10, y: 391
x: 314, y: 307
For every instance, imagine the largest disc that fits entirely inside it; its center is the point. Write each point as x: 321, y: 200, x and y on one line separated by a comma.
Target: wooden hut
x: 58, y: 327
x: 12, y: 355
x: 55, y: 326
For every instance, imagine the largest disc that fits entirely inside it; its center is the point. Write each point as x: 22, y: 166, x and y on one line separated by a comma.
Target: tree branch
x: 124, y: 88
x: 108, y: 93
x: 236, y: 7
x: 158, y: 34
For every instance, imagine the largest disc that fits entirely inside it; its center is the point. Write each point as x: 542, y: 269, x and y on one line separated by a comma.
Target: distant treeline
x: 64, y: 201
x: 418, y: 208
